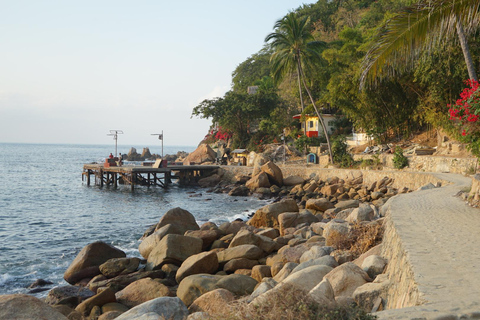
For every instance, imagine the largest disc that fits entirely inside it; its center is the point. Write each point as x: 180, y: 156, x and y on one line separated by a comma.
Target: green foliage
x: 399, y: 160
x: 251, y: 70
x: 341, y: 156
x: 239, y: 113
x: 303, y: 142
x: 335, y: 37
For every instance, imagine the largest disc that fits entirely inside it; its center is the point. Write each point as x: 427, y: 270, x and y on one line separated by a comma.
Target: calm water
x: 47, y: 214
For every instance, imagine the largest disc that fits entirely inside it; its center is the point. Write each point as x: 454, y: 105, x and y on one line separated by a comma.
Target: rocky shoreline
x: 321, y: 238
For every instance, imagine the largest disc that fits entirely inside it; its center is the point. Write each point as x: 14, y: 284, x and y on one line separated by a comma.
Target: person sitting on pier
x: 119, y: 159
x: 110, y: 156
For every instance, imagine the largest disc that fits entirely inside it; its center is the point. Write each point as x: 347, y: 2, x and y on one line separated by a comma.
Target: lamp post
x: 115, y: 134
x: 283, y: 138
x: 160, y: 137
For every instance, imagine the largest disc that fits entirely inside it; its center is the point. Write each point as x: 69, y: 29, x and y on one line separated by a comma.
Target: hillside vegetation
x: 343, y: 31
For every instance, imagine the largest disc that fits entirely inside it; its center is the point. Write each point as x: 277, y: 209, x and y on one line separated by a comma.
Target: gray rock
x: 22, y: 306
x: 167, y: 307
x: 374, y: 265
x: 308, y: 278
x: 326, y: 260
x: 345, y: 204
x: 315, y: 252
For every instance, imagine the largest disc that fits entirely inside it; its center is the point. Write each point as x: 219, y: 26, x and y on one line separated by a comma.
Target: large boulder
x: 173, y: 249
x: 142, y: 291
x: 207, y: 236
x: 335, y: 231
x: 163, y: 308
x: 306, y: 279
x: 321, y: 204
x: 86, y: 263
x: 268, y: 216
x: 274, y: 173
x: 258, y: 181
x: 292, y: 219
x: 202, y: 154
x: 374, y: 265
x: 366, y: 295
x: 179, y: 217
x: 124, y: 279
x: 346, y: 204
x: 245, y: 251
x: 214, y: 302
x: 117, y: 266
x: 363, y: 213
x: 346, y: 278
x: 210, y: 181
x: 325, y: 260
x: 151, y: 241
x: 236, y: 264
x: 285, y: 271
x: 293, y: 181
x: 245, y: 236
x: 25, y: 307
x: 323, y: 294
x: 195, y: 285
x: 261, y: 271
x: 205, y: 262
x: 315, y: 252
x: 101, y: 298
x: 68, y: 295
x: 238, y: 284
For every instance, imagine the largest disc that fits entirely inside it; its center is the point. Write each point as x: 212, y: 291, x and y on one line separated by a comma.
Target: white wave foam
x: 6, y: 279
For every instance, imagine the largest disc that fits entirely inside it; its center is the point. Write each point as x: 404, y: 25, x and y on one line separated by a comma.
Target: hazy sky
x: 72, y: 70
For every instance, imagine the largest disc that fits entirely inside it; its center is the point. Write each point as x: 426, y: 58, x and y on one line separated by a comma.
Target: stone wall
x: 428, y: 163
x: 404, y: 291
x: 411, y: 180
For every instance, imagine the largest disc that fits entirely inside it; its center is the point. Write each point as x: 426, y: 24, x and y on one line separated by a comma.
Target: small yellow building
x: 239, y: 156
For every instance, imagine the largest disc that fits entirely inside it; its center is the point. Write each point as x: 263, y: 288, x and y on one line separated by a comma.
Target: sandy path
x: 441, y: 235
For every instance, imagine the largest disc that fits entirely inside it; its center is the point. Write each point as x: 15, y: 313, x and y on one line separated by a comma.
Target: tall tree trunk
x: 466, y: 50
x: 320, y: 119
x: 300, y: 92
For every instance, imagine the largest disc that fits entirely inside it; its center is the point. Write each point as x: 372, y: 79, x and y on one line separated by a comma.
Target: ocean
x: 47, y: 214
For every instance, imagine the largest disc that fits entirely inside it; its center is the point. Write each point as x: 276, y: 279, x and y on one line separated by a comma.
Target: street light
x: 160, y: 137
x: 115, y: 134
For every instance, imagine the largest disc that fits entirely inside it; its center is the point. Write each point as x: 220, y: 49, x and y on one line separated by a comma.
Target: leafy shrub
x: 303, y: 142
x: 399, y: 160
x: 341, y: 157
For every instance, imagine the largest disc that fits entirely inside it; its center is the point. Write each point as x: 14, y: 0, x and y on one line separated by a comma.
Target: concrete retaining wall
x: 404, y: 290
x: 411, y: 180
x: 429, y: 163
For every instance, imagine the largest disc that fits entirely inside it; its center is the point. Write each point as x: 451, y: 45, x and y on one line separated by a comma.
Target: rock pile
x: 308, y: 239
x: 298, y: 241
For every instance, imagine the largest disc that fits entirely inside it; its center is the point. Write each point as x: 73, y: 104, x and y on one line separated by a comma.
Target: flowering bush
x: 465, y: 114
x: 466, y: 110
x: 217, y: 134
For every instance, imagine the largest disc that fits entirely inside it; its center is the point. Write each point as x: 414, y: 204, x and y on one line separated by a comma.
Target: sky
x: 71, y: 71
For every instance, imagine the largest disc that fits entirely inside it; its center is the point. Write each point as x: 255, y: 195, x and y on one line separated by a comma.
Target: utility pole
x: 160, y: 137
x: 115, y: 134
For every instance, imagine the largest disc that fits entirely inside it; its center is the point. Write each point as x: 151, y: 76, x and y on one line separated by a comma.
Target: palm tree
x: 422, y: 26
x: 295, y: 49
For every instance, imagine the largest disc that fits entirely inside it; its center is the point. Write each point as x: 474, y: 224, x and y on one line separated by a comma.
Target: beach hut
x: 239, y: 156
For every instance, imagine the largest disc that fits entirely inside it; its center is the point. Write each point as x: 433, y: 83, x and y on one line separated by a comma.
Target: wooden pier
x: 144, y: 175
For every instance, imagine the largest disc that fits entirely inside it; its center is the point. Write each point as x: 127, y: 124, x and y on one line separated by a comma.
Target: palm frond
x: 398, y: 43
